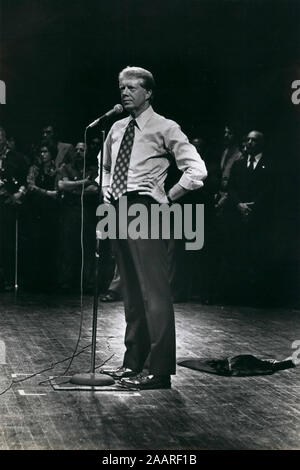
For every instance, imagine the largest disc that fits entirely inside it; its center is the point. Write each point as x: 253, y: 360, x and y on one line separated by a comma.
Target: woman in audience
x: 42, y: 209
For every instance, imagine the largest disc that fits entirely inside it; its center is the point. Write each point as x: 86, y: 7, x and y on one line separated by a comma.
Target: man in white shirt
x: 136, y: 158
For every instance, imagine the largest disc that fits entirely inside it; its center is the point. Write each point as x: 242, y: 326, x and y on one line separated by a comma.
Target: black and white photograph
x: 149, y: 228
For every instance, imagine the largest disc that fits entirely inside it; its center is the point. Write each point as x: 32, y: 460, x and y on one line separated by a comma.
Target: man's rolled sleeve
x: 187, y: 159
x: 190, y: 182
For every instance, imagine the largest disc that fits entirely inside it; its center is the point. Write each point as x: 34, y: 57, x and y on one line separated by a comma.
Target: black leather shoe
x: 119, y: 372
x: 147, y: 382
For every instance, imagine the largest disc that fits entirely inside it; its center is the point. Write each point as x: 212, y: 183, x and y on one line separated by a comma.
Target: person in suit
x: 64, y: 151
x: 248, y: 183
x: 137, y: 154
x: 249, y: 189
x: 230, y: 154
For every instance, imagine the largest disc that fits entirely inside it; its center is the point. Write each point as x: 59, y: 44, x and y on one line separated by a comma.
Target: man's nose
x: 124, y: 91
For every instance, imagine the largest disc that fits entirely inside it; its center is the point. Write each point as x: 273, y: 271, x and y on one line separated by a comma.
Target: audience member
x: 64, y: 151
x: 42, y: 221
x: 13, y: 171
x: 94, y: 148
x: 249, y: 191
x: 230, y: 154
x: 79, y: 198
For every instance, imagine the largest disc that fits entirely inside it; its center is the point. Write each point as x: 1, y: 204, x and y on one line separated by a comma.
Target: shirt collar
x: 143, y: 117
x: 256, y: 158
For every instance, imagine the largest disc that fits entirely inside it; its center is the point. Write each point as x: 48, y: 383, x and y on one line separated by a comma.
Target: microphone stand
x: 92, y: 378
x: 16, y: 286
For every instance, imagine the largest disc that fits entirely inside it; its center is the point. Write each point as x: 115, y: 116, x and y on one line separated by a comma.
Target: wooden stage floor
x: 201, y: 411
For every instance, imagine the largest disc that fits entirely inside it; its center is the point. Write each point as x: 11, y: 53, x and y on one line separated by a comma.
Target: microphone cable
x: 75, y: 352
x: 13, y: 382
x: 42, y: 371
x: 82, y: 254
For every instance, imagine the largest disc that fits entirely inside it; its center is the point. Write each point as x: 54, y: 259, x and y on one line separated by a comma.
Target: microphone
x: 117, y: 109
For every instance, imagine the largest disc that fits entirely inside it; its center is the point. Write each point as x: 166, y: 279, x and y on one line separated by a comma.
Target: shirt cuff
x: 188, y: 183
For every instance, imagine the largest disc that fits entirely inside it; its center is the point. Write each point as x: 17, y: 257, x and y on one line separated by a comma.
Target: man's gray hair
x: 139, y: 72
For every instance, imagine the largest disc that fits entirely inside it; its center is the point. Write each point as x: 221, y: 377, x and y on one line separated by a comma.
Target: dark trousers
x: 116, y: 284
x: 149, y: 315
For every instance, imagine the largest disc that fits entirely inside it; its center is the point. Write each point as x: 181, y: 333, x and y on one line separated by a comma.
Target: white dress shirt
x: 256, y: 160
x: 156, y: 141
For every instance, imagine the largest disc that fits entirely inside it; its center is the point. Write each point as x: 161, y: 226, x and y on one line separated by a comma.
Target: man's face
x: 79, y: 149
x: 45, y: 155
x: 95, y: 145
x: 134, y: 97
x: 48, y: 133
x: 228, y: 135
x: 198, y: 143
x: 254, y: 143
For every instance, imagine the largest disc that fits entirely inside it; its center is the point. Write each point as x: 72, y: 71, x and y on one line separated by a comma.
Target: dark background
x: 215, y: 62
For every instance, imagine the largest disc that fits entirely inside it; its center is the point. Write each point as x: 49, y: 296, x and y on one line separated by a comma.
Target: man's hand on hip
x: 152, y: 189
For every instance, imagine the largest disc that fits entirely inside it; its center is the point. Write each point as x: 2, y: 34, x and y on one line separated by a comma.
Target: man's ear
x: 149, y: 94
